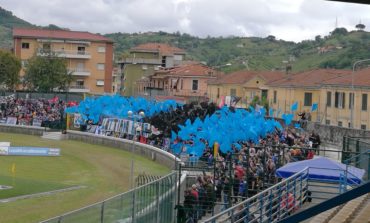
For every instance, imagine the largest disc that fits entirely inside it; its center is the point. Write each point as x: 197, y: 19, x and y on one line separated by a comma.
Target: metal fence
x: 37, y: 95
x: 271, y: 204
x: 153, y: 202
x: 356, y: 152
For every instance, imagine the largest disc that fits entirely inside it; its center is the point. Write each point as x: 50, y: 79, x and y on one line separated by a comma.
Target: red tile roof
x: 188, y: 70
x: 58, y: 34
x: 161, y: 48
x: 312, y: 78
x: 361, y: 78
x: 243, y: 76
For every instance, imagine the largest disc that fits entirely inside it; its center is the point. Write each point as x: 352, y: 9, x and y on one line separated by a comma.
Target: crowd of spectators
x: 37, y: 112
x: 241, y: 173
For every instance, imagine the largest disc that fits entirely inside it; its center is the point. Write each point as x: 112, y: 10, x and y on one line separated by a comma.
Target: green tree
x: 47, y: 74
x: 9, y: 70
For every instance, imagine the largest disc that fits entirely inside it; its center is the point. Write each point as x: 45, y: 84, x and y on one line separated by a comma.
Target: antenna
x: 336, y: 22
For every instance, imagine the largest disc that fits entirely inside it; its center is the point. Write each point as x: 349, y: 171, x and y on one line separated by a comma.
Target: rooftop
x: 58, y: 34
x: 163, y: 49
x: 189, y: 70
x: 243, y: 76
x: 311, y: 78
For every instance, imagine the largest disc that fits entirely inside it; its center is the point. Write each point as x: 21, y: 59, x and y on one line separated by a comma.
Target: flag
x: 314, y: 107
x: 294, y: 106
x: 271, y: 112
x: 13, y: 168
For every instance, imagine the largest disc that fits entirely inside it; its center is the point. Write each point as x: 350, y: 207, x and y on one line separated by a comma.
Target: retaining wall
x: 22, y: 129
x: 148, y: 151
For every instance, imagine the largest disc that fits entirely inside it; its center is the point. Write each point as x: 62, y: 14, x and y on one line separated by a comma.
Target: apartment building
x: 144, y: 60
x: 244, y: 84
x: 341, y: 95
x: 89, y: 56
x: 188, y: 82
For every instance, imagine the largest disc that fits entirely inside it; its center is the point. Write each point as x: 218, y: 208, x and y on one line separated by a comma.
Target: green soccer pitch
x: 101, y: 171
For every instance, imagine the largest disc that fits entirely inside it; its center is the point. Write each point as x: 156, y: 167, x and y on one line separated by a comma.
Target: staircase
x: 358, y: 208
x: 53, y: 135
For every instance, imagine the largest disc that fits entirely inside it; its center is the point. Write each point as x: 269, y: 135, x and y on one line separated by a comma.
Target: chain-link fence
x: 152, y: 202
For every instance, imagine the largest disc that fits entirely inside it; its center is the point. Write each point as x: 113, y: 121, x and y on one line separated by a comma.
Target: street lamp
x: 131, y: 115
x: 353, y: 89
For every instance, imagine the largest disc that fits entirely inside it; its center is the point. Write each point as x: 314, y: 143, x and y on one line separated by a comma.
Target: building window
x: 25, y: 45
x: 275, y: 97
x: 218, y: 92
x: 100, y: 66
x: 81, y: 50
x: 340, y: 99
x: 232, y: 92
x: 101, y: 49
x: 195, y: 85
x: 24, y: 63
x: 363, y: 127
x: 364, y: 102
x: 340, y: 124
x: 349, y: 125
x: 328, y: 99
x: 99, y: 82
x: 351, y: 100
x: 164, y: 61
x: 307, y: 99
x: 327, y: 122
x: 80, y: 83
x: 182, y: 84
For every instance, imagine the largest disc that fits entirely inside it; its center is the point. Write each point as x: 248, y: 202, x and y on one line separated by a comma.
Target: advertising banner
x: 29, y: 151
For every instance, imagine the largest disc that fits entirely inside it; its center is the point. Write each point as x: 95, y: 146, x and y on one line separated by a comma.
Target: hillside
x: 8, y: 21
x: 339, y: 49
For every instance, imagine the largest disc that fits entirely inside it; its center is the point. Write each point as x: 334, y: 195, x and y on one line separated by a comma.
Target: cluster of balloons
x: 226, y: 127
x: 94, y: 108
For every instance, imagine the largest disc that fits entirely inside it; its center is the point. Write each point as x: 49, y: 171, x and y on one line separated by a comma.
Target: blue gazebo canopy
x: 322, y: 168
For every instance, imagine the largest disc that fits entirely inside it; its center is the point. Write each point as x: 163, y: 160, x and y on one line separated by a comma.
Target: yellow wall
x: 287, y: 96
x: 89, y: 64
x: 246, y: 91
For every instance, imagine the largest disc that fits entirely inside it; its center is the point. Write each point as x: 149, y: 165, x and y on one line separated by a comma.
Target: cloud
x: 289, y: 20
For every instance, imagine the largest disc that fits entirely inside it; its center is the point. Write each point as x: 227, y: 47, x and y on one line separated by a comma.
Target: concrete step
x: 53, y: 135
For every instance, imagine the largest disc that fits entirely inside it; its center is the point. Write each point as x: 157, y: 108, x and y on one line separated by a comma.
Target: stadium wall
x: 150, y: 152
x: 22, y: 129
x: 328, y: 134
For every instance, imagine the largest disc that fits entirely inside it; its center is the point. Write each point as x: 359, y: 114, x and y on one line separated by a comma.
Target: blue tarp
x: 322, y: 168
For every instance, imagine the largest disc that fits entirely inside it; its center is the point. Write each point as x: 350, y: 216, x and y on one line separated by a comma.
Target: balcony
x: 141, y: 61
x: 80, y: 72
x: 73, y: 54
x: 188, y: 93
x: 78, y: 89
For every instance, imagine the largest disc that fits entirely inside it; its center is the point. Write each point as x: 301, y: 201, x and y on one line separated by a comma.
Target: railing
x: 78, y: 87
x: 187, y: 92
x: 153, y: 202
x: 142, y: 61
x: 62, y: 53
x: 270, y: 205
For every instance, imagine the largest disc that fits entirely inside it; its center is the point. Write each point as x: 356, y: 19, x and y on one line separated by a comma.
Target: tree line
x: 41, y: 74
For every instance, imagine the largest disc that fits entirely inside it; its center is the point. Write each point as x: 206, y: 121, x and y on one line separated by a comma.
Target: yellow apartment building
x: 245, y: 84
x: 145, y: 59
x: 89, y: 56
x: 332, y: 90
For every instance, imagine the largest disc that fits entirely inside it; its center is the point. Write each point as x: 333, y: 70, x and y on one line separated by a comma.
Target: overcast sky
x: 286, y: 19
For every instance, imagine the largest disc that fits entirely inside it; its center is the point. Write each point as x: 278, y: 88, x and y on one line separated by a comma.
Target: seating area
x: 357, y: 210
